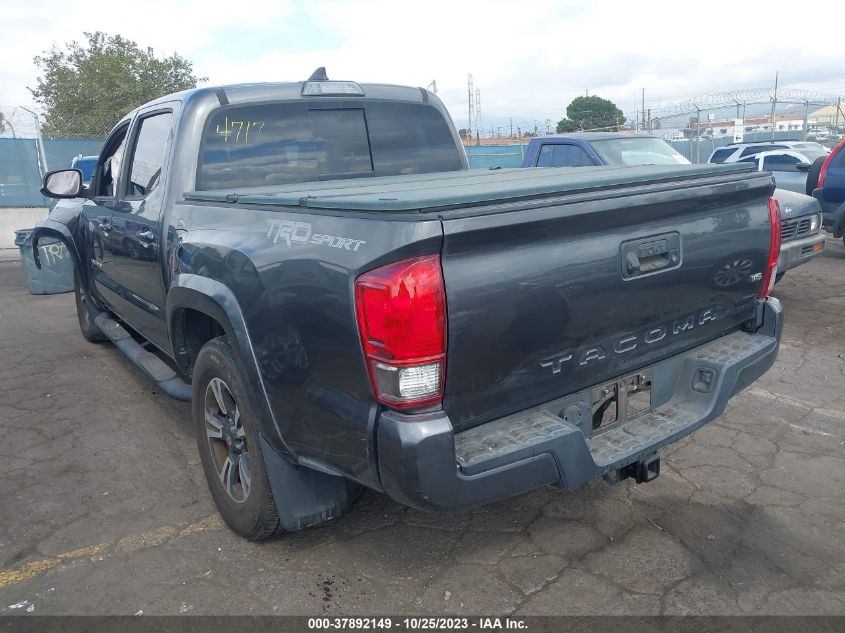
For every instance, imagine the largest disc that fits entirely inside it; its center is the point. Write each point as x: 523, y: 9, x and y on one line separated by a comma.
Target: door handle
x: 146, y: 236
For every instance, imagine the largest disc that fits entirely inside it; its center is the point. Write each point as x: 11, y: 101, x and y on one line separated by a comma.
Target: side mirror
x: 62, y: 183
x: 802, y: 167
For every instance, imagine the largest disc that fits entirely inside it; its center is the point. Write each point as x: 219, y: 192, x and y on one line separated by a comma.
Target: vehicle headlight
x: 815, y: 221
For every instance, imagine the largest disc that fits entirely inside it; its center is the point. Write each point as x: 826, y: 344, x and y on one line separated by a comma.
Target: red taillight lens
x: 771, y: 271
x: 826, y: 164
x: 401, y: 312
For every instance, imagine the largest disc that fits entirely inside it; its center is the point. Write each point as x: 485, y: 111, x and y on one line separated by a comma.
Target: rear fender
x: 304, y: 496
x: 208, y: 296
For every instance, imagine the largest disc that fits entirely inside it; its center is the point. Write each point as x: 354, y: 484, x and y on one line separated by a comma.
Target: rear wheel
x: 226, y: 419
x: 86, y: 312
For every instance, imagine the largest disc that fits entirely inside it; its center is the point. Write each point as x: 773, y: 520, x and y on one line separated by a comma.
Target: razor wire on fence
x: 27, y: 153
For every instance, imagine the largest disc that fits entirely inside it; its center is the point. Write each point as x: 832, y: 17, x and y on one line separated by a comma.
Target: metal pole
x: 697, y: 134
x: 521, y: 148
x: 806, y: 118
x: 42, y: 155
x: 643, y: 108
x: 774, y: 104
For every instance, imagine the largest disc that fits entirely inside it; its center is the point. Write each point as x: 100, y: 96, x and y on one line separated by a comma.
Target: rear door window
x: 283, y: 143
x: 563, y: 155
x: 780, y: 162
x: 754, y: 149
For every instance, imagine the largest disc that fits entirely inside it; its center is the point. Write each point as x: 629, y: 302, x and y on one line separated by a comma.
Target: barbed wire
x: 731, y: 98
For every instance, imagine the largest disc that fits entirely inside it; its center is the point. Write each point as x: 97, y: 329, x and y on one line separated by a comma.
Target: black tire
x: 779, y: 276
x: 86, y: 312
x: 813, y: 175
x: 246, y: 503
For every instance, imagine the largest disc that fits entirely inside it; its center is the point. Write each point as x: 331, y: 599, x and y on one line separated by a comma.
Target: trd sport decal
x: 289, y: 233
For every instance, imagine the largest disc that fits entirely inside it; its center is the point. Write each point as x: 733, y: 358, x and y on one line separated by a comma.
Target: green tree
x: 589, y: 113
x: 86, y: 89
x: 566, y: 125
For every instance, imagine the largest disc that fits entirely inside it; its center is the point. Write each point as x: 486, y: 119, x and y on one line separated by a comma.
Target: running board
x: 149, y: 363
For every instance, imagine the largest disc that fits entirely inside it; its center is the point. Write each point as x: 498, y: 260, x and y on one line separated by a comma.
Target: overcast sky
x: 529, y: 59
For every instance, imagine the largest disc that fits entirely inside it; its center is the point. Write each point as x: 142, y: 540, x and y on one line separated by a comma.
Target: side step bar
x: 147, y: 362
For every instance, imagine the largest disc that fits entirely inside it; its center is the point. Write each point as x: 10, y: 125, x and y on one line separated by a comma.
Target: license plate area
x: 621, y: 400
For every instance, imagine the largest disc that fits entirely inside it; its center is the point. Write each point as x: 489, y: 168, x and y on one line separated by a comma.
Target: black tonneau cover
x: 423, y: 192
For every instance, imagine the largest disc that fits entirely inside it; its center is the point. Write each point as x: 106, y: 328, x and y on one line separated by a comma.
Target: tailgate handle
x: 657, y: 253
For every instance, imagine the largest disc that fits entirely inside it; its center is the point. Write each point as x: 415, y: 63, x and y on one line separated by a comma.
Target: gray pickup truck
x: 313, y: 266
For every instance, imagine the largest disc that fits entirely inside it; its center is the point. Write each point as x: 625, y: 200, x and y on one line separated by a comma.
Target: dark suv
x: 826, y: 182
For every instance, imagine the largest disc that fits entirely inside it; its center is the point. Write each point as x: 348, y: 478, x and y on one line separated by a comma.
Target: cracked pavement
x: 105, y: 510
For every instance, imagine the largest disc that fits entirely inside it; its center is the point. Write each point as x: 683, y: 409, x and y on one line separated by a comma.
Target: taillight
x: 771, y: 271
x: 401, y: 312
x: 826, y: 164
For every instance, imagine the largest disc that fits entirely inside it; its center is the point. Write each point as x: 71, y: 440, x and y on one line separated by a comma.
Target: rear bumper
x: 795, y: 252
x: 424, y: 464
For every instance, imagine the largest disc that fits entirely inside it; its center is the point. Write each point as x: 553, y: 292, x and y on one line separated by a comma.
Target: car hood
x: 793, y: 205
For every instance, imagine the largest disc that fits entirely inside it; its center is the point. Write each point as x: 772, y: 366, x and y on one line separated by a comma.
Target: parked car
x: 346, y: 304
x: 86, y: 165
x: 736, y: 151
x: 802, y: 237
x: 789, y: 168
x: 826, y: 181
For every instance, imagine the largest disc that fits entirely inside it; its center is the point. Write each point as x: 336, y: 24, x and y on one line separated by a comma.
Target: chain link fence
x: 28, y: 151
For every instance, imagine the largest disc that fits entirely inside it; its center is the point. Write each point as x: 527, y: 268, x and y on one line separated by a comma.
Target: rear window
x: 283, y: 143
x: 721, y: 155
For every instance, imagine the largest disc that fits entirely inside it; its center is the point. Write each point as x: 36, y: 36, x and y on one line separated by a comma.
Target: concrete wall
x: 14, y: 218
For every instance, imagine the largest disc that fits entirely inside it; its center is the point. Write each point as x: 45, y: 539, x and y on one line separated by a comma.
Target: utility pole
x: 470, y: 107
x: 643, y: 108
x: 433, y: 86
x: 511, y: 133
x: 477, y: 110
x: 774, y: 104
x: 649, y: 121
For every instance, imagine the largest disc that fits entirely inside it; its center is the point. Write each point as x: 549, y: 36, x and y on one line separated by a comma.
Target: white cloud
x: 529, y: 59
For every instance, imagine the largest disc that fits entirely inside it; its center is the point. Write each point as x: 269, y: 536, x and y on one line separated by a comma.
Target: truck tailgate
x: 552, y: 295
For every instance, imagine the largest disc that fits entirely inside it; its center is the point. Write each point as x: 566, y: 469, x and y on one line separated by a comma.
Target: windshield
x: 811, y: 150
x: 637, y: 150
x: 281, y: 143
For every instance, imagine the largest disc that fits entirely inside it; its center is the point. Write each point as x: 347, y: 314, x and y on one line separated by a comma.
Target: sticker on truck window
x: 289, y: 232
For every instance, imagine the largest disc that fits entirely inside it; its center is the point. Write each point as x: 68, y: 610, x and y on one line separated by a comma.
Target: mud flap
x: 305, y: 497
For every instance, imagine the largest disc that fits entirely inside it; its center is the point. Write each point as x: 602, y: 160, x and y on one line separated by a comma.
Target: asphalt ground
x: 104, y: 509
